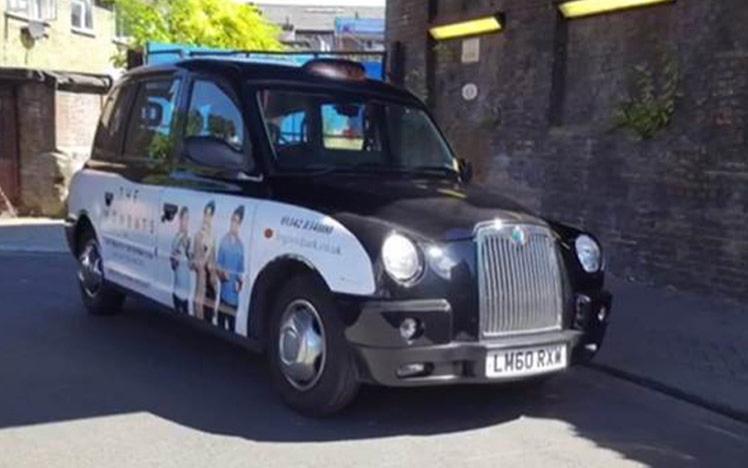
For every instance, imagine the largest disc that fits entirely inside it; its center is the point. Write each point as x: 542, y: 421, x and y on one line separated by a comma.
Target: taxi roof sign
x: 339, y: 69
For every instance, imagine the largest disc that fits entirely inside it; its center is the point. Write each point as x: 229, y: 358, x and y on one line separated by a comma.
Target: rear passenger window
x: 149, y: 133
x: 213, y: 113
x: 108, y: 141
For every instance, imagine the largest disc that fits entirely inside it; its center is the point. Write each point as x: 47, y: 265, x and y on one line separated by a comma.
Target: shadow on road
x: 60, y: 364
x: 69, y: 365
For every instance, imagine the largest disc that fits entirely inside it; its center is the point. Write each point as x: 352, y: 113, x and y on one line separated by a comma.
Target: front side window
x: 317, y: 131
x: 81, y: 15
x: 212, y: 113
x: 149, y: 132
x: 39, y: 10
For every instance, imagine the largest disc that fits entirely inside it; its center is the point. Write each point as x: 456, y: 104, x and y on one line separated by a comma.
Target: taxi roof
x: 277, y: 73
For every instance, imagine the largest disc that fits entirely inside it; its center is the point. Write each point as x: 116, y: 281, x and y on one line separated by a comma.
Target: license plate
x: 525, y: 361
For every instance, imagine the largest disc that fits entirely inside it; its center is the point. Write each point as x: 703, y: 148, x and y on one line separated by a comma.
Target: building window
x: 324, y: 46
x: 122, y: 30
x: 81, y: 15
x: 37, y: 10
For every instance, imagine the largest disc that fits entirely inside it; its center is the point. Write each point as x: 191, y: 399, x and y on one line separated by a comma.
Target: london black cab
x: 322, y: 218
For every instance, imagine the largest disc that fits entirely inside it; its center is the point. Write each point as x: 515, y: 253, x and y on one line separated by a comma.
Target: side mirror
x: 213, y: 152
x: 466, y: 170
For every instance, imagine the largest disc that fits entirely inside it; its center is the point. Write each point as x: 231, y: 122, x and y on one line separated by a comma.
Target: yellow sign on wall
x: 579, y: 8
x: 466, y: 28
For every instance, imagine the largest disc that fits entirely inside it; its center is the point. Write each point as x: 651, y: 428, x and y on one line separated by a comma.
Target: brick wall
x: 405, y: 23
x: 56, y: 130
x: 63, y: 48
x: 672, y: 209
x: 76, y: 117
x: 40, y: 174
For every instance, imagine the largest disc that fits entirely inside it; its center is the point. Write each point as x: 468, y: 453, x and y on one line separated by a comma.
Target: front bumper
x: 456, y: 362
x: 382, y: 354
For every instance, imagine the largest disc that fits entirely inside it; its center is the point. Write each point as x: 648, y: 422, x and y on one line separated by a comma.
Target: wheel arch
x: 82, y: 224
x: 265, y: 288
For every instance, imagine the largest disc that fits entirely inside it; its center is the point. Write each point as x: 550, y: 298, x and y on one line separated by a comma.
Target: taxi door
x: 208, y: 211
x: 132, y: 187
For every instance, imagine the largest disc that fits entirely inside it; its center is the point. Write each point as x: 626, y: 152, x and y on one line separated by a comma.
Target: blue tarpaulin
x: 161, y: 53
x: 373, y: 27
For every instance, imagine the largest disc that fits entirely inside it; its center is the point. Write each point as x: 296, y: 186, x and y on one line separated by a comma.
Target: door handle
x: 170, y: 210
x: 108, y: 197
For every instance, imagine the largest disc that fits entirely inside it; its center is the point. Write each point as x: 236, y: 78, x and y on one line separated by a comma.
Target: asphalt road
x: 145, y: 389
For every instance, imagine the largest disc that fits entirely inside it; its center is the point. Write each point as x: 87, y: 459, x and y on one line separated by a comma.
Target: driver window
x: 213, y: 113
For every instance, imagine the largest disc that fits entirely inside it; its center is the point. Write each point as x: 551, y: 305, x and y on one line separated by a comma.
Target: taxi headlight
x: 401, y: 258
x: 588, y: 253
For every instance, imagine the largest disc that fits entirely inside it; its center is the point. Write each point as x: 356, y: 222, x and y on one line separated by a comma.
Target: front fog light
x: 401, y: 258
x: 409, y: 328
x: 591, y: 347
x: 588, y: 253
x: 412, y: 370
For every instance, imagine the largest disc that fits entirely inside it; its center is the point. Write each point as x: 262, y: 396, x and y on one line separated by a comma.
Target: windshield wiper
x: 378, y: 167
x: 440, y: 169
x: 369, y: 167
x: 352, y: 168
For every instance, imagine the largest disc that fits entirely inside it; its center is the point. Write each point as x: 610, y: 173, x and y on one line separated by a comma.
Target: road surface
x: 146, y: 389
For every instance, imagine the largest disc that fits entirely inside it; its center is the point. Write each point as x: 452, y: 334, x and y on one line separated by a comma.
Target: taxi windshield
x: 312, y: 132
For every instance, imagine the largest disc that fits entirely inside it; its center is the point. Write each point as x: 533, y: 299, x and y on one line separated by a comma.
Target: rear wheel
x: 310, y: 361
x: 99, y: 297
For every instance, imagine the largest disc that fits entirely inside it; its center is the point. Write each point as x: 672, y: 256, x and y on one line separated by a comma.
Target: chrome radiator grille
x: 519, y: 280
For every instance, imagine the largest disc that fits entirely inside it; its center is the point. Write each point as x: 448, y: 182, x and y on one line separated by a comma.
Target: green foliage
x: 652, y: 105
x: 209, y: 23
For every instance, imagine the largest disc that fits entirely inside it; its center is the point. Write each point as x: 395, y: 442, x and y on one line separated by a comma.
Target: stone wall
x: 672, y: 209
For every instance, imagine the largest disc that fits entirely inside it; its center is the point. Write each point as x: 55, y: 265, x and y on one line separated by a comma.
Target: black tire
x: 336, y: 384
x: 105, y: 299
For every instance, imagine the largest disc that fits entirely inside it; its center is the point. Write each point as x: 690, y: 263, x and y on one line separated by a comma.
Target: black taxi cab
x: 320, y: 217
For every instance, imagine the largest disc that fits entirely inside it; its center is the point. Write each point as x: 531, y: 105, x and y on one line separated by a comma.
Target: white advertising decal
x: 204, y: 246
x: 199, y: 252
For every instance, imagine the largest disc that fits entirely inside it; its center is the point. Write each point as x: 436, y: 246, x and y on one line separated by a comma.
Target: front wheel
x: 99, y: 297
x: 310, y: 361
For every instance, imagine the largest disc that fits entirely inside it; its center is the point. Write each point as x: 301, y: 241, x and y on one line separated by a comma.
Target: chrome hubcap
x: 90, y: 273
x: 301, y: 344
